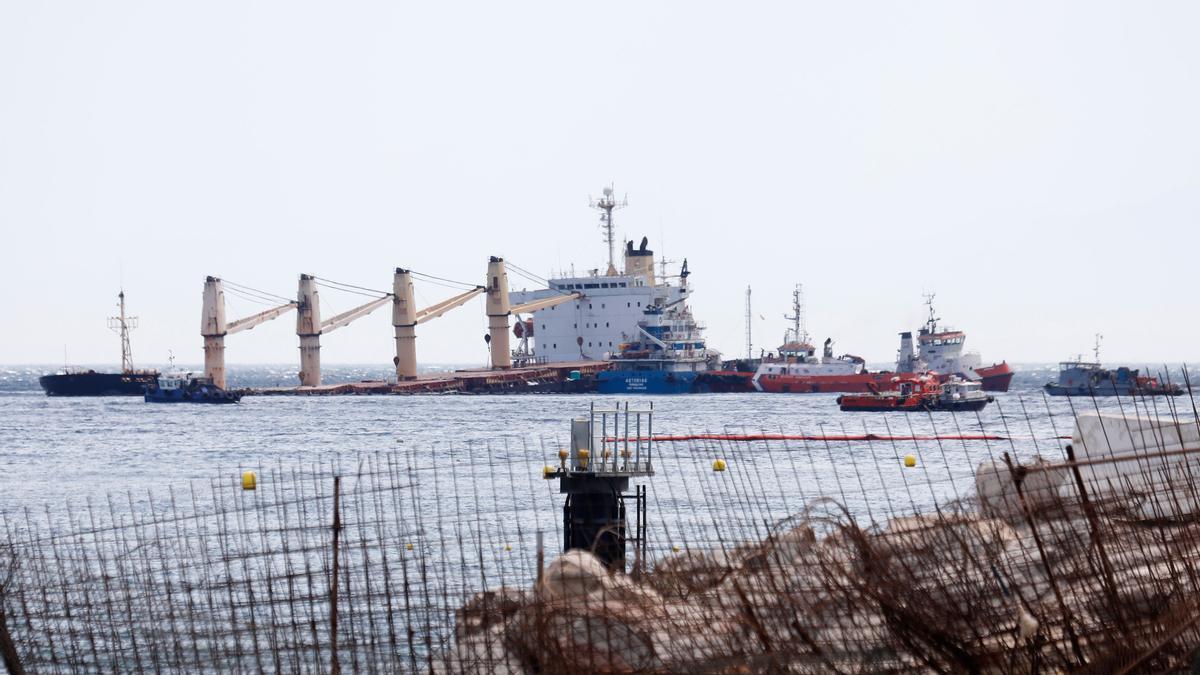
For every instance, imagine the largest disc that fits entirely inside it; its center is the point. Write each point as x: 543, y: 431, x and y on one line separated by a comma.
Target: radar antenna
x: 606, y: 204
x: 121, y: 325
x: 749, y: 343
x: 931, y: 322
x: 799, y: 330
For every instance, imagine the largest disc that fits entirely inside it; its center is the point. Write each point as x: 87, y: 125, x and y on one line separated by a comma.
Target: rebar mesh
x: 999, y: 554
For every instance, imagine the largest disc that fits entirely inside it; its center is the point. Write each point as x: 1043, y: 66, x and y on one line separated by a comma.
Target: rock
x: 486, y: 609
x: 574, y: 574
x: 998, y: 496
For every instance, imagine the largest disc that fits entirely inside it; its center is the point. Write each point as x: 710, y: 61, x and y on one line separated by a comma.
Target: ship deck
x: 540, y: 378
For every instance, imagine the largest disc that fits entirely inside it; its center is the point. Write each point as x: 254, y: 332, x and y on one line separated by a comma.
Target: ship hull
x: 97, y: 384
x: 646, y: 382
x: 1108, y: 389
x: 857, y: 383
x: 995, y: 377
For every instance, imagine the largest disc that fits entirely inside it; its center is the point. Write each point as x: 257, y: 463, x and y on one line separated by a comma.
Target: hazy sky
x: 1036, y: 164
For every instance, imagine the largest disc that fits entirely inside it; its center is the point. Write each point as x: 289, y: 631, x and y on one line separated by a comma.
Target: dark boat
x: 91, y: 383
x: 1083, y: 378
x: 1078, y: 378
x: 183, y: 388
x: 81, y: 382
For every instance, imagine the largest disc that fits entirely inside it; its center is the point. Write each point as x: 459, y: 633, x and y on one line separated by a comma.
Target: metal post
x: 334, y: 666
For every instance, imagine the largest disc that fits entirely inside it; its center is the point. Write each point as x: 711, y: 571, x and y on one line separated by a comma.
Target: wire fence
x: 998, y: 552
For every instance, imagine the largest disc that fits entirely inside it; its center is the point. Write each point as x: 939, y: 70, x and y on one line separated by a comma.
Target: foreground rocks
x: 1004, y: 587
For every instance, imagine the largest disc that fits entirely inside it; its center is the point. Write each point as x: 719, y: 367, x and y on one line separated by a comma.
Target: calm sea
x: 63, y: 450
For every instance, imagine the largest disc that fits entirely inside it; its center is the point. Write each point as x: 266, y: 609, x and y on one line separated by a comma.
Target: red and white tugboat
x: 941, y: 351
x: 797, y: 370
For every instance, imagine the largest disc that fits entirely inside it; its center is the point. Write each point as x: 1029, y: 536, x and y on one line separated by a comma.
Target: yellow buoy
x: 675, y: 549
x: 249, y: 480
x: 408, y: 547
x: 718, y: 465
x: 507, y: 547
x: 910, y: 461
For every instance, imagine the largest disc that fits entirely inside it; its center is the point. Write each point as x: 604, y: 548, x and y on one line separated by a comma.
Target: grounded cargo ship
x: 632, y: 318
x: 128, y: 382
x: 941, y: 351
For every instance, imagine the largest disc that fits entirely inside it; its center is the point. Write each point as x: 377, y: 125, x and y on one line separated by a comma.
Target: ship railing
x: 622, y: 440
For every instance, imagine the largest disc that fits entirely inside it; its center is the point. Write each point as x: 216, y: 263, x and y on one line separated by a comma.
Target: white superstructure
x: 595, y: 326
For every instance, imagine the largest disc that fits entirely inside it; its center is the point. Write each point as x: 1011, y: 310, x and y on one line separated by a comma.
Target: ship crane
x: 310, y: 327
x: 499, y: 309
x: 406, y: 317
x: 214, y: 328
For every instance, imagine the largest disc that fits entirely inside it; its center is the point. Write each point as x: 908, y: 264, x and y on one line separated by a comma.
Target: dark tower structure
x: 608, y: 448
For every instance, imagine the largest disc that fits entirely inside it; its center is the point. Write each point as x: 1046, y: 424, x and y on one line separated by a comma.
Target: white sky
x: 1036, y: 164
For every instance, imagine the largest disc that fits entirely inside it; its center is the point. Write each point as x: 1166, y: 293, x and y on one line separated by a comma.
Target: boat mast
x: 606, y: 205
x: 1096, y: 348
x: 121, y: 325
x: 799, y: 321
x: 749, y: 344
x: 931, y: 322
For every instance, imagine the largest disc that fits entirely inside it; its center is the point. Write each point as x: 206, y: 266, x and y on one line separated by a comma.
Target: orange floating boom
x: 806, y: 437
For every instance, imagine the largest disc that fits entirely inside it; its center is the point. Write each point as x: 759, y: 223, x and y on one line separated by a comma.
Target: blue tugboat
x: 183, y: 388
x: 667, y: 356
x: 1084, y: 378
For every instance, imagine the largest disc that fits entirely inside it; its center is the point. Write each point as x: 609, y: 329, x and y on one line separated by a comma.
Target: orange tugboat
x: 913, y: 393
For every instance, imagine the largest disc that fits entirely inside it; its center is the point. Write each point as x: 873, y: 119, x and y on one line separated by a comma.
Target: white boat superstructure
x: 618, y: 307
x: 939, y: 351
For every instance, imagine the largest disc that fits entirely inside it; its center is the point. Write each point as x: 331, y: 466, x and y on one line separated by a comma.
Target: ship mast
x: 121, y: 325
x: 1096, y: 348
x: 931, y: 322
x: 606, y: 205
x: 749, y: 344
x: 799, y: 321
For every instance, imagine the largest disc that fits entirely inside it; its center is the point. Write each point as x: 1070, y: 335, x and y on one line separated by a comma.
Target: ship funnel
x: 640, y: 261
x: 906, y: 362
